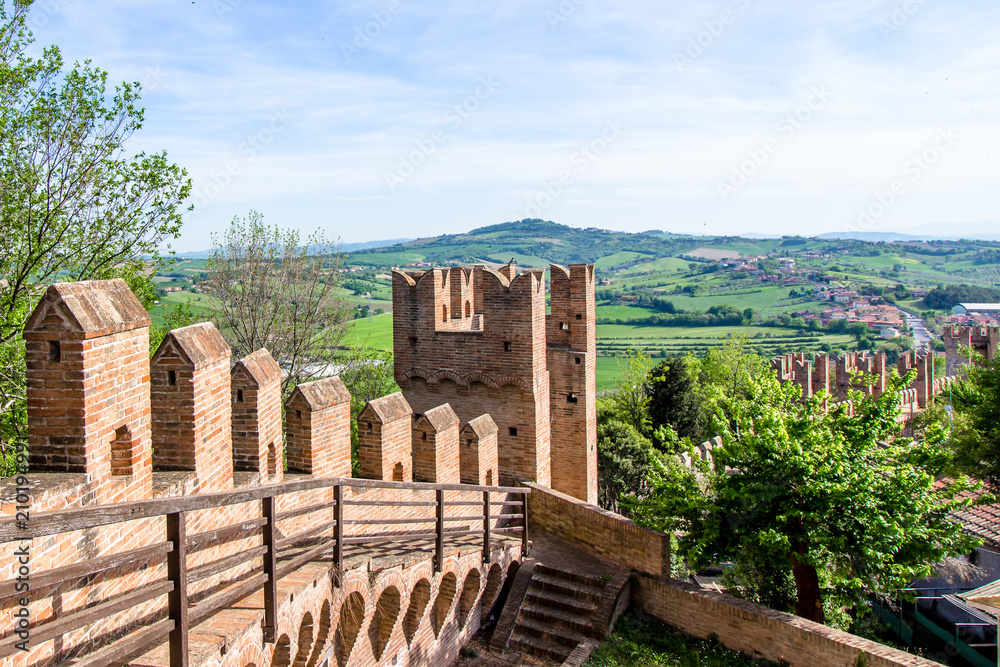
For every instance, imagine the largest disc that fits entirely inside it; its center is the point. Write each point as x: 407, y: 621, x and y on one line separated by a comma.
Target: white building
x: 991, y: 309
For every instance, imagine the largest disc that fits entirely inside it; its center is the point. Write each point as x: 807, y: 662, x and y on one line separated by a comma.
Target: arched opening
x: 384, y: 620
x: 501, y: 598
x: 489, y: 477
x: 122, y: 452
x: 470, y: 593
x: 419, y: 598
x: 305, y: 641
x: 352, y: 614
x: 322, y: 635
x: 444, y: 313
x: 442, y: 604
x: 282, y: 652
x: 493, y: 580
x: 468, y: 309
x: 397, y: 472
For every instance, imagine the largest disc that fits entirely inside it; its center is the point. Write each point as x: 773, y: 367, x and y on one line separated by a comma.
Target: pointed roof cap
x: 260, y: 367
x: 440, y: 418
x: 481, y: 426
x: 93, y: 308
x: 321, y: 393
x: 390, y: 408
x: 201, y: 344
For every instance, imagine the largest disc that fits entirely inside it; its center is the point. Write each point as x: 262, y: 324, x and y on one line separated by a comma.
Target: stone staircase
x: 561, y: 611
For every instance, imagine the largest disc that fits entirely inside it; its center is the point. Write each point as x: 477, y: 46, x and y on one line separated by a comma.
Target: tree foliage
x: 826, y: 506
x: 675, y: 398
x: 976, y: 436
x: 74, y: 204
x: 274, y: 291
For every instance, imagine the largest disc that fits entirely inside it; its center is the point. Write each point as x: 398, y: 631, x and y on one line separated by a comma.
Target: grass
x: 640, y: 640
x: 375, y: 332
x: 200, y: 303
x: 617, y: 259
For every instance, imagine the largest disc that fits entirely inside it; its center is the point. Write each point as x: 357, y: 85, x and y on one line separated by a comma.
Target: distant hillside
x: 346, y: 247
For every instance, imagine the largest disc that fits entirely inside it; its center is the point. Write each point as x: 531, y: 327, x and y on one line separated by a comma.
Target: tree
x: 625, y: 464
x: 272, y: 291
x: 675, y: 398
x: 368, y: 374
x: 74, y: 205
x: 628, y: 402
x: 823, y: 507
x: 976, y: 437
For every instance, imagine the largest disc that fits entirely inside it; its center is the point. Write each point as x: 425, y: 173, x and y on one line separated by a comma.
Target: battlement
x: 480, y: 340
x: 985, y: 341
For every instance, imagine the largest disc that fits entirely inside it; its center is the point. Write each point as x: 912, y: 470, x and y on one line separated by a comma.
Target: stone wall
x: 759, y: 631
x: 603, y: 533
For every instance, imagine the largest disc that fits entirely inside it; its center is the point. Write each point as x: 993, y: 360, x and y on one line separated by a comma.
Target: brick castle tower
x: 480, y: 340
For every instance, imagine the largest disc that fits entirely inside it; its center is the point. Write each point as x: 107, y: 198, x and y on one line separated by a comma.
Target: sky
x: 395, y: 118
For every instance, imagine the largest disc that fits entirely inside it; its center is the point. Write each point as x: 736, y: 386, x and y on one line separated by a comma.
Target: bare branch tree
x: 272, y: 290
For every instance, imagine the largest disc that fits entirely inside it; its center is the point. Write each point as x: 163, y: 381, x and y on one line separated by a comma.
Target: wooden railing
x: 280, y: 555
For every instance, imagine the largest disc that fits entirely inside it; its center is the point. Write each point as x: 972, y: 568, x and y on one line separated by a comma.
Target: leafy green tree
x: 976, y: 437
x: 628, y: 402
x: 828, y: 506
x: 74, y: 203
x: 626, y: 462
x: 675, y: 398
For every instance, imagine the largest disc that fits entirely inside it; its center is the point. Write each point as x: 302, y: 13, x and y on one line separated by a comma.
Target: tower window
x: 578, y: 360
x: 579, y: 316
x: 239, y: 395
x: 507, y: 346
x: 55, y: 351
x: 571, y: 398
x: 298, y: 414
x: 512, y: 431
x: 413, y: 341
x: 444, y: 313
x: 172, y: 378
x: 468, y: 309
x: 564, y: 326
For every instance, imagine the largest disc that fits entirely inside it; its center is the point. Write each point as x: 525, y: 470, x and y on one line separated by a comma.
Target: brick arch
x: 514, y: 381
x: 419, y: 597
x: 443, y: 601
x: 470, y: 595
x: 305, y: 641
x: 447, y: 374
x: 351, y: 618
x: 322, y: 635
x: 282, y: 652
x: 494, y: 580
x: 416, y: 371
x: 384, y: 620
x: 485, y: 379
x: 251, y: 655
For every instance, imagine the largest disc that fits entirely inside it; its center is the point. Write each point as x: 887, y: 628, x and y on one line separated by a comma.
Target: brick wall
x: 493, y: 361
x: 318, y: 428
x: 191, y: 410
x: 603, y: 533
x: 435, y: 446
x: 256, y: 421
x: 478, y: 452
x: 385, y: 439
x: 761, y: 632
x: 572, y: 353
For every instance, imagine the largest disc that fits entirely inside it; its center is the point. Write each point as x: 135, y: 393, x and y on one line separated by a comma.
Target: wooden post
x: 270, y: 566
x: 486, y: 527
x: 439, y: 544
x: 524, y: 525
x: 338, y: 535
x: 177, y: 600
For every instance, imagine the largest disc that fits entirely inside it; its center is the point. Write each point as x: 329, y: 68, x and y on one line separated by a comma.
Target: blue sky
x: 394, y: 118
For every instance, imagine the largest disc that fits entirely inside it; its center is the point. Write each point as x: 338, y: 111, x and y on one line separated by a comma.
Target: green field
x: 199, y: 303
x: 374, y: 332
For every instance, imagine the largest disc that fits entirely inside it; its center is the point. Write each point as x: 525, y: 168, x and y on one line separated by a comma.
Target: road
x: 921, y: 336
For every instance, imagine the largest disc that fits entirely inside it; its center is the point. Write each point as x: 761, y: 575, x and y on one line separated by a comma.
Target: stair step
x: 585, y: 579
x: 540, y: 647
x: 562, y: 602
x: 561, y: 619
x: 542, y: 630
x: 566, y: 587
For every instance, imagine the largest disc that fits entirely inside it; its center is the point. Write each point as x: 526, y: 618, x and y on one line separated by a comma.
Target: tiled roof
x: 982, y: 521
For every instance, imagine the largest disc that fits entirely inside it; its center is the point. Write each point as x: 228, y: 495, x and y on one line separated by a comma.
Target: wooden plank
x: 474, y: 517
x: 212, y: 537
x: 124, y: 649
x: 291, y: 514
x: 515, y: 529
x: 270, y: 573
x: 78, y: 619
x: 439, y: 538
x: 177, y: 600
x: 286, y: 542
x: 61, y: 521
x: 338, y: 536
x: 389, y: 537
x: 487, y: 524
x: 393, y: 503
x: 387, y: 522
x: 86, y: 568
x: 524, y: 531
x: 207, y: 607
x: 223, y: 564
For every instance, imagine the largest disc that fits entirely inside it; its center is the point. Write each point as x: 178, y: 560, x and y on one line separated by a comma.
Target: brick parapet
x: 256, y: 416
x: 318, y: 426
